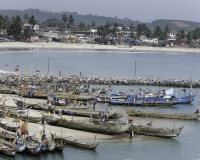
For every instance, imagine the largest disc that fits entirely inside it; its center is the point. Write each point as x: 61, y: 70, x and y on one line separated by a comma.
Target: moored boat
x: 87, y: 125
x: 158, y: 132
x: 74, y: 142
x: 34, y: 148
x: 184, y: 116
x: 7, y: 150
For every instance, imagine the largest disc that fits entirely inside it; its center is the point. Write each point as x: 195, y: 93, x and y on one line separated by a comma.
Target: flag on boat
x: 8, y: 114
x: 16, y: 69
x: 23, y: 128
x: 26, y: 71
x: 169, y: 91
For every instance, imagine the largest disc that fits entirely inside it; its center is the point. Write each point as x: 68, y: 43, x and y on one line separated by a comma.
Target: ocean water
x: 121, y: 64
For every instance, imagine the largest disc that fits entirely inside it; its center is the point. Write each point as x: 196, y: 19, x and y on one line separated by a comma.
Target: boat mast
x: 190, y: 85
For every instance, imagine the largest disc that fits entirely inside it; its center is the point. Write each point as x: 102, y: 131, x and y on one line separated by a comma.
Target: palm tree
x: 180, y: 35
x: 64, y: 18
x: 15, y: 26
x: 139, y: 30
x: 32, y: 20
x: 196, y: 34
x: 158, y: 33
x: 26, y: 17
x: 82, y: 25
x: 27, y: 32
x: 132, y: 35
x: 165, y: 32
x: 189, y: 37
x: 71, y: 20
x: 93, y: 24
x: 132, y: 27
x: 3, y: 23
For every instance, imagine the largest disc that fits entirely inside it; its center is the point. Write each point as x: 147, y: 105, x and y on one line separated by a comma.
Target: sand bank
x: 86, y: 46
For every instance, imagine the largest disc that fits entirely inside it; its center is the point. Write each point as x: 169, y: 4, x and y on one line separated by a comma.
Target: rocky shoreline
x: 37, y: 79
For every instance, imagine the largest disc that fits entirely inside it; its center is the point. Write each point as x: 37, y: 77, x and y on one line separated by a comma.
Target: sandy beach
x: 86, y: 46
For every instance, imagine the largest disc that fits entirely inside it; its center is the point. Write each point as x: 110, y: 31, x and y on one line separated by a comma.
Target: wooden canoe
x: 183, y: 116
x: 73, y: 142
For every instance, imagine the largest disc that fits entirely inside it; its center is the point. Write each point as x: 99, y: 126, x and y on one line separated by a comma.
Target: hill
x: 41, y: 16
x: 87, y: 19
x: 174, y: 24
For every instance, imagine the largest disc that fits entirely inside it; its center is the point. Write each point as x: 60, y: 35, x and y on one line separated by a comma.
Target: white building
x: 35, y: 28
x: 172, y: 35
x: 148, y: 40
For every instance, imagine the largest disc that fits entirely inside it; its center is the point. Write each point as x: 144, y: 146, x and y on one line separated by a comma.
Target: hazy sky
x: 143, y: 10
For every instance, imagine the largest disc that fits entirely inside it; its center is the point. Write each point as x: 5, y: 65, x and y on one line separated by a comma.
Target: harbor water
x: 121, y: 64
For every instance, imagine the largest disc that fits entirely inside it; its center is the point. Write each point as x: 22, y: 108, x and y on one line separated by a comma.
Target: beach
x: 87, y: 46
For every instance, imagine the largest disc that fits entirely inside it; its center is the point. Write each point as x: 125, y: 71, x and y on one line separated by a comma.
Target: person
x: 94, y: 104
x: 197, y: 111
x: 149, y: 124
x: 131, y: 134
x: 42, y: 123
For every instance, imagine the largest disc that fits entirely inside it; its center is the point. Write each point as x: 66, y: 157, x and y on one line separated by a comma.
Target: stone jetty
x: 38, y: 79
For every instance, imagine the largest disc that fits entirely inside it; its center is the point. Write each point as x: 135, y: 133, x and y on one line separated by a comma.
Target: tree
x: 157, y: 32
x: 71, y: 20
x: 32, y: 20
x: 196, y: 34
x: 132, y: 35
x: 15, y: 26
x: 64, y: 18
x: 189, y: 36
x: 148, y: 33
x: 180, y: 35
x: 165, y: 32
x: 82, y: 25
x: 139, y: 30
x: 3, y: 23
x: 93, y: 24
x: 27, y: 32
x: 132, y: 27
x: 26, y: 17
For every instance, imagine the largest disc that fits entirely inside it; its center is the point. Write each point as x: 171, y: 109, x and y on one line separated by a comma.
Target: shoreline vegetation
x: 86, y: 46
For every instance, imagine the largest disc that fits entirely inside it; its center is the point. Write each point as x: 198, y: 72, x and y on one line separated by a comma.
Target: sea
x: 104, y: 63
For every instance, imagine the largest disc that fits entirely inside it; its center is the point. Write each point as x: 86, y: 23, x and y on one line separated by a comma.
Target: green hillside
x: 174, y: 24
x: 87, y: 19
x: 41, y: 16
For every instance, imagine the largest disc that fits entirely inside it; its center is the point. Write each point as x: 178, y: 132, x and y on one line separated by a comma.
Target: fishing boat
x: 183, y: 116
x: 158, y: 132
x: 7, y: 150
x: 8, y: 127
x: 142, y: 102
x: 34, y: 147
x: 19, y: 146
x: 51, y: 145
x: 32, y: 93
x: 23, y: 117
x: 87, y: 125
x: 60, y: 146
x: 6, y: 90
x: 76, y: 111
x: 73, y: 142
x: 7, y: 136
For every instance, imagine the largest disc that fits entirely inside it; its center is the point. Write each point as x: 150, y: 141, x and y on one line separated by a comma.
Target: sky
x: 142, y: 10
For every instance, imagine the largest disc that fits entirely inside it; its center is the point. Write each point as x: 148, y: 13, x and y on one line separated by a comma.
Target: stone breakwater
x: 37, y: 79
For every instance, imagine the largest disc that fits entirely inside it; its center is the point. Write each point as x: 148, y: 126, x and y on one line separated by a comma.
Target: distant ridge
x: 87, y: 19
x: 174, y: 24
x: 42, y: 15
